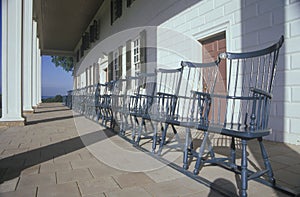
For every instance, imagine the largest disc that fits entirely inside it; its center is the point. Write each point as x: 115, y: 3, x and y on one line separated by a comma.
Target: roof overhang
x: 61, y: 23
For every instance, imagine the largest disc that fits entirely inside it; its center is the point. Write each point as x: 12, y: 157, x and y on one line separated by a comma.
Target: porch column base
x: 13, y: 123
x: 28, y: 111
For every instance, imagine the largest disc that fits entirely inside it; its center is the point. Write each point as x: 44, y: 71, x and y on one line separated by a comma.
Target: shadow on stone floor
x: 52, y: 119
x: 11, y: 167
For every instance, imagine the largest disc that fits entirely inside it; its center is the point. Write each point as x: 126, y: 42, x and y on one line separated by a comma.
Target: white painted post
x: 27, y: 58
x: 37, y: 71
x: 34, y: 63
x: 39, y: 75
x: 12, y: 63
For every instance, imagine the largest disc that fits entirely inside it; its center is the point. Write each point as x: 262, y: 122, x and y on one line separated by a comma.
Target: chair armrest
x: 201, y: 93
x: 261, y: 92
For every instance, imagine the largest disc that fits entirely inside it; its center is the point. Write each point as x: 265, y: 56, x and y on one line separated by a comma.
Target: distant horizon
x: 55, y: 80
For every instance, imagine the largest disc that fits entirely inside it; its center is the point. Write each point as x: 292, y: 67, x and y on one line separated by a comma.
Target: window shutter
x: 110, y: 67
x: 118, y: 8
x: 115, y: 10
x: 143, y: 51
x: 128, y: 58
x: 86, y: 40
x: 92, y: 35
x: 120, y: 61
x: 112, y: 12
x: 97, y: 29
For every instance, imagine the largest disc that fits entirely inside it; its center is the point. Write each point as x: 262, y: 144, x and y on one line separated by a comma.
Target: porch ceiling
x: 62, y: 22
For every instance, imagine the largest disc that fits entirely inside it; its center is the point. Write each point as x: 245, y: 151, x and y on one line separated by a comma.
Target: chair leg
x: 233, y: 152
x: 244, y: 172
x: 210, y: 148
x: 188, y: 141
x: 140, y: 129
x: 163, y: 139
x: 135, y: 128
x: 201, y: 151
x: 154, y: 141
x: 266, y: 161
x: 122, y: 123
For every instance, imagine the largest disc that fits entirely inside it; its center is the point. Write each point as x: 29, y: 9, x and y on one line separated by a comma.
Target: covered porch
x: 48, y: 158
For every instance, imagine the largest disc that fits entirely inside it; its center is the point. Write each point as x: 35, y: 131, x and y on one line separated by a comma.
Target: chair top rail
x: 200, y: 65
x: 146, y: 74
x: 163, y: 70
x: 265, y: 51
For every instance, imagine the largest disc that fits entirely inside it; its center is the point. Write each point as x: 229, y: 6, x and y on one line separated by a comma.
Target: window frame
x: 115, y: 64
x: 136, y: 55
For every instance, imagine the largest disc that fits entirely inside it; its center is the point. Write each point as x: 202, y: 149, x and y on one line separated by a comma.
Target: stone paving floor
x: 58, y: 154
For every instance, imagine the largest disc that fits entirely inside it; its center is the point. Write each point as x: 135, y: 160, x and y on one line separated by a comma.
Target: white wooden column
x: 12, y: 63
x: 36, y: 77
x: 40, y: 78
x: 27, y: 58
x: 34, y: 63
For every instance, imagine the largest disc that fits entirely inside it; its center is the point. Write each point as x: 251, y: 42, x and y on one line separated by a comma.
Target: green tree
x: 57, y: 98
x: 65, y: 62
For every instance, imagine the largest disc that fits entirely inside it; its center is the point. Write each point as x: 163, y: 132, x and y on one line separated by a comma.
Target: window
x: 115, y: 10
x: 137, y: 56
x: 129, y: 2
x: 94, y: 31
x: 86, y: 41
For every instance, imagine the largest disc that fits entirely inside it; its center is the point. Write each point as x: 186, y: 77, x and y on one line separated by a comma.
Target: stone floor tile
x: 98, y: 186
x: 34, y: 180
x: 85, y: 154
x: 87, y: 163
x: 257, y: 189
x: 55, y: 167
x: 31, y: 145
x: 130, y: 191
x: 67, y: 158
x: 103, y: 170
x: 73, y: 175
x: 285, y: 159
x: 9, y: 185
x: 209, y: 193
x: 133, y: 179
x: 25, y: 192
x: 65, y: 190
x: 31, y: 170
x: 164, y: 174
x: 294, y: 168
x: 166, y: 189
x: 288, y: 177
x: 95, y: 195
x: 14, y: 151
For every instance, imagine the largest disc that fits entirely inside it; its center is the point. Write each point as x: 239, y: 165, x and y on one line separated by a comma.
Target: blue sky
x: 54, y: 79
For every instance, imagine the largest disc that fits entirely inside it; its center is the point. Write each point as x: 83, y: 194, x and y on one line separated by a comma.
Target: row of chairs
x: 197, y: 97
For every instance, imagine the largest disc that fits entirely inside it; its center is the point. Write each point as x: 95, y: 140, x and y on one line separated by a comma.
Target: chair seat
x: 234, y: 131
x: 245, y: 133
